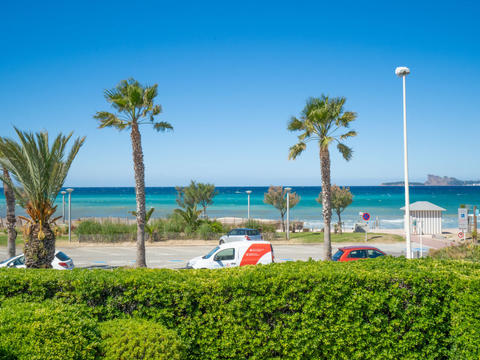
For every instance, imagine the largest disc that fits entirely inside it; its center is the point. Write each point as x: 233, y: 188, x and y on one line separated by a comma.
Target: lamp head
x: 288, y: 189
x: 248, y: 192
x: 402, y: 71
x: 63, y: 192
x: 69, y: 190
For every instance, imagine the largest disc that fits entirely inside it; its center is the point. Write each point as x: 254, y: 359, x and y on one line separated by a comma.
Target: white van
x: 234, y: 254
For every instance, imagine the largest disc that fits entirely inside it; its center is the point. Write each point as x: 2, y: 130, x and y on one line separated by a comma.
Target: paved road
x: 177, y: 256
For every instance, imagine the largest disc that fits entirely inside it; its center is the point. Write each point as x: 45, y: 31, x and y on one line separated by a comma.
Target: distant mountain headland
x: 434, y: 180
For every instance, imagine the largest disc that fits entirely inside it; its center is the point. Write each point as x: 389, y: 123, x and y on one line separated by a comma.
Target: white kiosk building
x: 425, y: 217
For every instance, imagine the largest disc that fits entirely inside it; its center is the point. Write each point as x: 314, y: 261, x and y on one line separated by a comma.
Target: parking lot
x: 174, y: 257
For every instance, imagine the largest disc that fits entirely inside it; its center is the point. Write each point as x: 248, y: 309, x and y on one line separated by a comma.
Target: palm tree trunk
x: 139, y: 169
x: 39, y: 253
x: 326, y: 204
x: 283, y: 223
x: 339, y: 222
x: 11, y: 220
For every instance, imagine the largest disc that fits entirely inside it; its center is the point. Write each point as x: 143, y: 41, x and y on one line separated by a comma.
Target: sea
x: 383, y: 203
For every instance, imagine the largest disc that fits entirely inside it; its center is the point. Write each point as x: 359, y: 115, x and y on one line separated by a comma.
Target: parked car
x: 61, y: 261
x: 352, y: 253
x: 235, y: 254
x: 241, y: 235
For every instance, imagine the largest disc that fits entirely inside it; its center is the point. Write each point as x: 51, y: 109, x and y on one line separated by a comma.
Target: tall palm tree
x: 134, y: 105
x: 40, y: 168
x: 11, y: 219
x: 321, y: 120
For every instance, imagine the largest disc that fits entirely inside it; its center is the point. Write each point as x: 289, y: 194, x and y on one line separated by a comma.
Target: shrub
x: 139, y: 339
x: 458, y: 252
x: 374, y: 309
x: 216, y: 227
x: 89, y: 227
x: 174, y: 223
x: 261, y: 226
x: 47, y: 330
x: 205, y: 230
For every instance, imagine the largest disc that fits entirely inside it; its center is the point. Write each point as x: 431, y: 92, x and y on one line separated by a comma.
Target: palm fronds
x: 134, y: 104
x: 39, y: 167
x: 320, y: 120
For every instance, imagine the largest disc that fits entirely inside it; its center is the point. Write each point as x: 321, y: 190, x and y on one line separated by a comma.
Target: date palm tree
x: 322, y: 120
x: 11, y: 219
x: 40, y: 169
x: 134, y: 105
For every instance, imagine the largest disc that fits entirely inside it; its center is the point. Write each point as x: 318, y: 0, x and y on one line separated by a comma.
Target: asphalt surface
x: 175, y: 257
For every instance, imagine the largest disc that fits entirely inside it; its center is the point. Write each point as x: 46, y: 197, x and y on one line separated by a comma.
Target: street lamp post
x: 287, y: 189
x: 63, y: 205
x: 69, y: 214
x: 403, y: 72
x: 248, y: 211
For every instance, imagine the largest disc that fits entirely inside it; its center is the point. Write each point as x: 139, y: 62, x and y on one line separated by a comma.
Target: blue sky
x: 231, y: 74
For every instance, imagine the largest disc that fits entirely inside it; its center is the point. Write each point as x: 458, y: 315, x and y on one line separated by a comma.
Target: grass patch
x: 317, y: 237
x: 3, y: 239
x: 19, y: 241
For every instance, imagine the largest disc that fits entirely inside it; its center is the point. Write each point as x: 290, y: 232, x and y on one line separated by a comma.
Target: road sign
x: 460, y: 235
x: 366, y: 216
x: 463, y: 219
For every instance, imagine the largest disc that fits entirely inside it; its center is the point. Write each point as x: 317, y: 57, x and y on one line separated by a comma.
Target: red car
x: 351, y: 253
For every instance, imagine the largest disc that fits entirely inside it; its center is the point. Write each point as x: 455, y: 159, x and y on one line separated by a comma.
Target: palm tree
x: 150, y: 228
x: 11, y: 219
x: 321, y: 120
x: 134, y: 105
x: 40, y: 168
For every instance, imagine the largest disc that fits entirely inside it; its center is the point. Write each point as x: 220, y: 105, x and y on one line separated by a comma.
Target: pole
x: 421, y: 239
x: 69, y: 214
x: 248, y: 211
x: 288, y: 212
x: 474, y: 232
x: 288, y: 216
x: 407, y: 192
x: 69, y: 217
x: 63, y: 205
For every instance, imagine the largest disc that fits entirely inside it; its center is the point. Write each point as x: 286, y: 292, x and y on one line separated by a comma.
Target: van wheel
x: 221, y: 242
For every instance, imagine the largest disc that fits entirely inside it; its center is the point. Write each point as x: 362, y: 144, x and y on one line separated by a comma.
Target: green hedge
x: 379, y: 309
x: 47, y: 331
x: 137, y: 339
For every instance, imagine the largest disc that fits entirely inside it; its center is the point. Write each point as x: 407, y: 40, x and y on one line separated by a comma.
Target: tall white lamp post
x: 63, y: 205
x: 403, y: 72
x: 287, y: 189
x: 69, y: 214
x: 248, y: 211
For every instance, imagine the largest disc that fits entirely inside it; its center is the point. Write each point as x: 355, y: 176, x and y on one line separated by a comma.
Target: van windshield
x: 211, y: 253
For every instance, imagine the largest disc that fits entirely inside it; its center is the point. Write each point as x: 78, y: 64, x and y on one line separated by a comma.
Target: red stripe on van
x: 254, y: 253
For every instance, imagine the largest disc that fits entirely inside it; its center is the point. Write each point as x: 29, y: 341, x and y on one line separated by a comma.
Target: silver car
x: 61, y: 261
x: 241, y: 235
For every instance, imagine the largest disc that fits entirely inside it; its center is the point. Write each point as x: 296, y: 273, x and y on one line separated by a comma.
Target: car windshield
x: 337, y: 255
x: 211, y: 253
x: 62, y: 257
